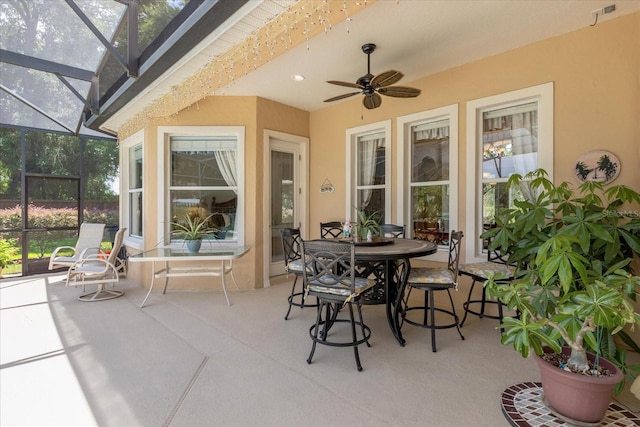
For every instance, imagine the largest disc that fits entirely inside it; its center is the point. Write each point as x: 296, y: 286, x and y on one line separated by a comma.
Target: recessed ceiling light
x: 297, y: 77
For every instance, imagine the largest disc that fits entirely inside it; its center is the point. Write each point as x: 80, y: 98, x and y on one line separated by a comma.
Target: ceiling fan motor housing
x: 370, y: 84
x: 365, y: 80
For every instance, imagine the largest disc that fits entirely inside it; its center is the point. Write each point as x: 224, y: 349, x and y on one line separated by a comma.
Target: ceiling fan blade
x: 400, y: 91
x: 347, y: 84
x: 372, y: 101
x: 346, y: 95
x: 387, y: 78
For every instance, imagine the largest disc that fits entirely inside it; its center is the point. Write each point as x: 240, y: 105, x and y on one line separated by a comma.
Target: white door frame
x: 302, y: 202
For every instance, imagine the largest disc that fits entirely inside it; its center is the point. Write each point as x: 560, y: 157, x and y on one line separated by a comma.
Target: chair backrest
x: 117, y: 244
x: 493, y: 255
x: 393, y: 230
x: 497, y: 256
x: 291, y: 245
x: 332, y: 265
x: 90, y: 237
x: 455, y: 240
x: 331, y: 229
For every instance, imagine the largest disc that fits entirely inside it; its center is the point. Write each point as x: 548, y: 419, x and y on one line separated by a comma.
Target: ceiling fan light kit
x: 373, y: 86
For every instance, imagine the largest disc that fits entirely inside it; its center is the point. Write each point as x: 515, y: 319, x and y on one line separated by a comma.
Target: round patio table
x: 395, y: 255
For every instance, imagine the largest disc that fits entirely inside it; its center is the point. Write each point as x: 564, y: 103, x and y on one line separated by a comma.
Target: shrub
x: 8, y: 251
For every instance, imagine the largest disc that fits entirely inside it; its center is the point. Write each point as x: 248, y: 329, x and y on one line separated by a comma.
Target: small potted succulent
x: 193, y: 227
x: 575, y: 286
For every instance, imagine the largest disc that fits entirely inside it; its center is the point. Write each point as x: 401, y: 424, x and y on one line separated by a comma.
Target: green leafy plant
x: 7, y: 251
x: 428, y: 204
x: 192, y: 227
x: 368, y: 222
x: 575, y: 284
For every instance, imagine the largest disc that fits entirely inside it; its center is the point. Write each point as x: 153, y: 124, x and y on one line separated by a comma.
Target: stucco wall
x: 597, y: 105
x: 256, y: 115
x: 596, y: 73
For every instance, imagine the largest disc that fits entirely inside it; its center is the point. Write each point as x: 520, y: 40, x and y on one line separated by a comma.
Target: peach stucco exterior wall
x: 256, y: 115
x: 596, y: 75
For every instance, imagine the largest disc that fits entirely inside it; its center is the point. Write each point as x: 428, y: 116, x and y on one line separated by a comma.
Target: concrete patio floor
x: 188, y: 359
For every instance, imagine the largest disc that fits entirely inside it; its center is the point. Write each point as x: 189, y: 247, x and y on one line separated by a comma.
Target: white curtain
x: 525, y: 141
x: 434, y: 133
x: 227, y: 163
x: 368, y: 146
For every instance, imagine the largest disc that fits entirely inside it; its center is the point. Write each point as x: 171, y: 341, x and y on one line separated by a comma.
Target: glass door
x: 284, y: 190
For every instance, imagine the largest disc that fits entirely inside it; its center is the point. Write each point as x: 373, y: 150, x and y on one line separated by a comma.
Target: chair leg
x: 364, y: 333
x: 483, y: 302
x: 427, y: 295
x: 327, y: 317
x: 293, y: 291
x: 331, y: 313
x: 354, y: 337
x: 500, y: 316
x: 404, y: 305
x: 291, y: 299
x: 432, y: 311
x: 455, y: 316
x: 315, y: 330
x: 466, y: 304
x: 100, y: 294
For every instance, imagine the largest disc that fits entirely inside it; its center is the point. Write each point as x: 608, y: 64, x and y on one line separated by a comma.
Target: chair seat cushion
x: 318, y: 286
x: 296, y: 266
x: 90, y: 269
x: 484, y: 270
x: 431, y: 276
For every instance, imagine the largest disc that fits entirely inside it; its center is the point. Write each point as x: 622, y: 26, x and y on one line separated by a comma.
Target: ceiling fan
x: 371, y: 86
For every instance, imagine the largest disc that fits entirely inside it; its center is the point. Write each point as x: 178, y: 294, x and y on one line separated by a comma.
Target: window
x: 132, y: 167
x: 507, y: 134
x: 204, y: 178
x: 369, y: 168
x: 135, y: 191
x: 428, y: 171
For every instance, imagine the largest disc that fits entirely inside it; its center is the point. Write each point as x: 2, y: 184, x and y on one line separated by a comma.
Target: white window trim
x: 543, y: 94
x: 135, y: 242
x: 404, y: 167
x: 351, y: 140
x: 164, y: 134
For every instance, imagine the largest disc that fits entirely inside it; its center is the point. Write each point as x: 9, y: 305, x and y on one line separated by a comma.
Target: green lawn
x: 15, y: 266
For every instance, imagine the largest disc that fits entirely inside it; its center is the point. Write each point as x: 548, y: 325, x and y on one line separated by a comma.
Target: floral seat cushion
x: 487, y: 269
x: 296, y: 266
x: 328, y: 285
x: 430, y: 276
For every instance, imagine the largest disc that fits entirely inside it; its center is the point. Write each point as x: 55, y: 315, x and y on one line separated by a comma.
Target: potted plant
x: 368, y: 225
x: 575, y: 287
x: 193, y: 227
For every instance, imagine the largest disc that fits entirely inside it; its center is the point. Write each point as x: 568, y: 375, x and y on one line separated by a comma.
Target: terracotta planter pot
x: 578, y: 397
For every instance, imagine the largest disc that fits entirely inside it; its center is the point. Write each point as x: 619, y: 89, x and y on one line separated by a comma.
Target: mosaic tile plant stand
x: 522, y: 405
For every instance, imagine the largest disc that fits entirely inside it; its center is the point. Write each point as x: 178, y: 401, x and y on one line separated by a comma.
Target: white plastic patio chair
x: 94, y: 270
x: 89, y: 240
